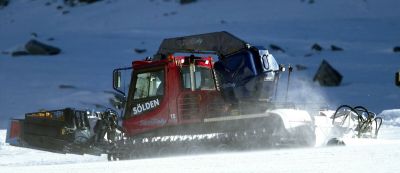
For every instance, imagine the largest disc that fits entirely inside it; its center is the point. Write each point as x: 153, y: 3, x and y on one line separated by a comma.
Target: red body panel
x: 15, y: 130
x: 178, y: 105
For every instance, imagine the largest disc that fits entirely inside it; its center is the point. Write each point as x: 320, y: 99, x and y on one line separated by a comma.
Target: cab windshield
x: 149, y: 84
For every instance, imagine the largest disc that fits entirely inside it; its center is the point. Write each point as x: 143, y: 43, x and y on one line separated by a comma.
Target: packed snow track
x: 357, y: 156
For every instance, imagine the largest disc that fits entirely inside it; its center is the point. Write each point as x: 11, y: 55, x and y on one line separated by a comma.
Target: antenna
x: 288, y: 81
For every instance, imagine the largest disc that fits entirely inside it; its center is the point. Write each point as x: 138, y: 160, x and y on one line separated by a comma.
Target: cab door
x: 197, y: 99
x: 147, y: 106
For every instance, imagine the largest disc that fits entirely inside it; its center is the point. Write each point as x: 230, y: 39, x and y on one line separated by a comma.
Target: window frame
x: 185, y: 76
x: 152, y: 71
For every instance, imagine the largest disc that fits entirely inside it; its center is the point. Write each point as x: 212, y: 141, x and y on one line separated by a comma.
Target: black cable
x: 365, y: 118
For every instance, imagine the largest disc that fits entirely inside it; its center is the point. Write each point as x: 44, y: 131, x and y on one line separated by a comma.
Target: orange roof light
x: 170, y: 58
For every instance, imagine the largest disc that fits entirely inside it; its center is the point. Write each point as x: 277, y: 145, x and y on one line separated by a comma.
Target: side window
x: 273, y: 65
x: 203, y: 78
x: 185, y: 71
x: 149, y: 84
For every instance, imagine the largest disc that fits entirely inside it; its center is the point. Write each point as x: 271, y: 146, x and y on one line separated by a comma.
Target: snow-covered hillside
x: 102, y: 36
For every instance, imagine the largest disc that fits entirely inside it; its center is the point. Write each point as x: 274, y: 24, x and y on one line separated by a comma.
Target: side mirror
x: 397, y: 80
x: 117, y: 79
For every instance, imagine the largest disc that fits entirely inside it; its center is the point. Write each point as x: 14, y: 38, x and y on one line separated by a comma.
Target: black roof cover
x: 221, y: 43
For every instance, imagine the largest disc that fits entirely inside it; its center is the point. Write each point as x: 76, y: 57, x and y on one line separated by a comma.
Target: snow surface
x: 97, y: 38
x: 369, y: 155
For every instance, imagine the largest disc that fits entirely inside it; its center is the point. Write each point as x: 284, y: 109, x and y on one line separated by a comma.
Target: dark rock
x: 73, y: 3
x: 47, y: 3
x: 300, y: 67
x: 34, y: 35
x: 311, y: 1
x: 60, y: 7
x: 397, y: 80
x: 50, y: 39
x: 170, y: 13
x: 335, y: 48
x: 70, y: 3
x: 327, y: 75
x: 35, y: 47
x: 19, y: 53
x: 3, y: 3
x: 88, y: 1
x: 139, y: 51
x: 65, y: 12
x: 276, y: 48
x: 62, y: 86
x: 308, y: 55
x: 223, y: 22
x: 396, y: 49
x: 316, y: 47
x: 183, y: 2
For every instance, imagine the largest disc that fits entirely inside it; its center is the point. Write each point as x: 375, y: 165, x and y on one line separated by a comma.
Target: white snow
x: 391, y: 116
x: 358, y: 156
x: 97, y: 38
